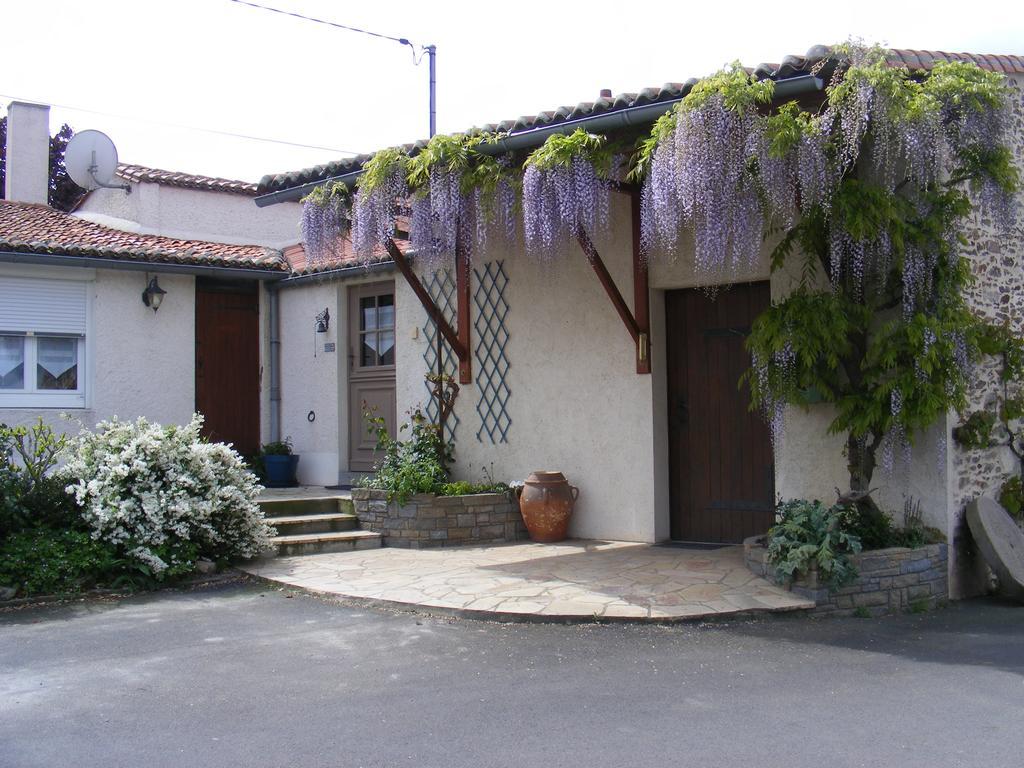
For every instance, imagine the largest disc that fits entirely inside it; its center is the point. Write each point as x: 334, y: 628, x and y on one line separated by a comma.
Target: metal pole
x: 432, y: 53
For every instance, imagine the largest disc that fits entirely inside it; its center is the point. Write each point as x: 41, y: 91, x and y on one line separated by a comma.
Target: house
x: 618, y: 373
x: 75, y: 334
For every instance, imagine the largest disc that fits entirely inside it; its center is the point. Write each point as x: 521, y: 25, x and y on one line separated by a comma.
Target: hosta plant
x: 810, y: 536
x: 164, y: 495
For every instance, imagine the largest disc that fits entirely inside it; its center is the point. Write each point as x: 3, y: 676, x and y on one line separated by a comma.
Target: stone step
x: 300, y: 524
x: 314, y: 543
x: 312, y: 505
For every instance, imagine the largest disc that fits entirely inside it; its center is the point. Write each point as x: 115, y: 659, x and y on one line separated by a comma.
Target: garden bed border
x: 426, y: 520
x: 888, y: 581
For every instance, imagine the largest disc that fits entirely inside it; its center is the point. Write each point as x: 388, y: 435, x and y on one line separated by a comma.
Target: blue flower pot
x: 280, y: 471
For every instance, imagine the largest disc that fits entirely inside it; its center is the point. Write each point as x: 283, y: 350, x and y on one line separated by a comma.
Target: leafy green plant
x: 861, y: 612
x: 875, y: 530
x: 278, y: 448
x: 36, y: 447
x: 412, y: 466
x: 466, y: 488
x: 920, y: 606
x: 976, y: 431
x: 1011, y: 496
x: 809, y: 535
x: 43, y: 561
x: 31, y: 494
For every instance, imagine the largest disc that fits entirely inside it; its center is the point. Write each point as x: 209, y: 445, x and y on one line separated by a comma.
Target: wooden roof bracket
x: 458, y: 340
x: 638, y: 321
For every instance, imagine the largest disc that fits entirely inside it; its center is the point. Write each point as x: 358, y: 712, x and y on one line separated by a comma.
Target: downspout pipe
x: 534, y: 137
x: 274, y: 319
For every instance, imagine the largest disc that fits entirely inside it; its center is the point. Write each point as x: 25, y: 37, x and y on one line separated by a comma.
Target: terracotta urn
x: 546, y: 501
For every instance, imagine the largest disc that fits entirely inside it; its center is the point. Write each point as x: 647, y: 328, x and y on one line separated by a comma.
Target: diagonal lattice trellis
x: 441, y: 286
x: 491, y: 359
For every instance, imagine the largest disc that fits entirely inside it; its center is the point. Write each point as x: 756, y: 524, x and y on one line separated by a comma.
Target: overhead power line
x: 401, y: 40
x: 184, y: 126
x: 428, y: 50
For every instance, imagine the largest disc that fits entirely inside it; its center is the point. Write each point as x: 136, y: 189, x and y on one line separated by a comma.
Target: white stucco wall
x: 138, y: 362
x: 194, y: 214
x: 318, y: 384
x: 311, y: 383
x: 577, y: 404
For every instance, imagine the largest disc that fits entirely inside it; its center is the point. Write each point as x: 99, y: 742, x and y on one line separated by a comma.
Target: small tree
x: 869, y: 196
x: 878, y: 325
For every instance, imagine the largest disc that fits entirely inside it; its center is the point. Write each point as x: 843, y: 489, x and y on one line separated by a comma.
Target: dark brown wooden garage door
x: 721, y: 471
x: 228, y: 364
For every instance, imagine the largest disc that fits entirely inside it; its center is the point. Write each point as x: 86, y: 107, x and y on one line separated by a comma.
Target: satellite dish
x: 91, y: 161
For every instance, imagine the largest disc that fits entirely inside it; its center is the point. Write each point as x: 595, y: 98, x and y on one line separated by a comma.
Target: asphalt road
x: 243, y: 675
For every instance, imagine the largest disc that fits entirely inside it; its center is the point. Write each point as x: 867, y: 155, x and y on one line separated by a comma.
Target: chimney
x: 28, y: 152
x: 606, y: 93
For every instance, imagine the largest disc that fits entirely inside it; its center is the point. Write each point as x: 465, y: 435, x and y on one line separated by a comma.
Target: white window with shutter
x: 43, y: 342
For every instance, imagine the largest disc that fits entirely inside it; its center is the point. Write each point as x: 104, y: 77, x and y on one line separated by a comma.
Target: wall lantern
x: 153, y: 296
x: 323, y: 321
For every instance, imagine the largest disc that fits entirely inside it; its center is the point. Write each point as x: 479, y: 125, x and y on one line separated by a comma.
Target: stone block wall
x: 997, y: 260
x: 440, y: 521
x: 888, y: 581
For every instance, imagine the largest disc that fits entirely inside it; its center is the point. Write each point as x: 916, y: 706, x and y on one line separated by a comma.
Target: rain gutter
x: 97, y: 262
x: 534, y: 137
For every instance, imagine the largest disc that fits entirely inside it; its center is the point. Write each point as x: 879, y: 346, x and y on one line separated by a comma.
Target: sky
x: 161, y: 76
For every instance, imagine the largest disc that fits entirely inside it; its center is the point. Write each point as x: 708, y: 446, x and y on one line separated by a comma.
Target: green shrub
x: 30, y: 495
x: 164, y: 492
x: 41, y: 561
x: 873, y: 528
x: 809, y: 534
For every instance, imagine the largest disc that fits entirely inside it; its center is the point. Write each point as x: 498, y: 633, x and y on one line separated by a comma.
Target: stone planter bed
x: 440, y: 521
x: 888, y: 581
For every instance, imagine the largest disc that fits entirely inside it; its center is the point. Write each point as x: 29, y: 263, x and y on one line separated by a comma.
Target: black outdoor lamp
x: 153, y: 296
x: 323, y: 321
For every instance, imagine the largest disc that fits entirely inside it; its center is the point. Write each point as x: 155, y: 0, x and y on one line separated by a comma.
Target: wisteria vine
x: 564, y: 188
x: 325, y: 221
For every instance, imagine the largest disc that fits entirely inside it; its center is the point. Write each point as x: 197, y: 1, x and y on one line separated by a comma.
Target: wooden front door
x: 228, y: 364
x: 722, y: 480
x: 371, y: 380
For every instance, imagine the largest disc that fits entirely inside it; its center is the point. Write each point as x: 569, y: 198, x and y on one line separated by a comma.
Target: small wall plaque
x: 329, y: 346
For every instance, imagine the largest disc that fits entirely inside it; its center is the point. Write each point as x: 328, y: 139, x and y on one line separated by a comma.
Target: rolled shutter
x: 29, y: 304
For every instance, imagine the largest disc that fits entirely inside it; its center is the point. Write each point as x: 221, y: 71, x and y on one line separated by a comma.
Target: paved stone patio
x: 571, y: 580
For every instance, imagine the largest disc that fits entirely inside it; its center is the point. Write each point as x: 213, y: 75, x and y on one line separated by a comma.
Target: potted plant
x: 280, y: 464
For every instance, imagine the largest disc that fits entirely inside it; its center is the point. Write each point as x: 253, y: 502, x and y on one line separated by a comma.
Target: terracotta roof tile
x: 343, y: 258
x: 32, y: 228
x: 140, y: 173
x: 791, y: 66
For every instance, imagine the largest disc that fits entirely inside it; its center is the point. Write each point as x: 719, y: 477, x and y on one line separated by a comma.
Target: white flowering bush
x: 164, y: 496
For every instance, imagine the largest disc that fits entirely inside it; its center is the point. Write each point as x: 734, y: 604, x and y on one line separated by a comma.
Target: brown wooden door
x: 371, y: 379
x: 721, y: 468
x: 228, y: 364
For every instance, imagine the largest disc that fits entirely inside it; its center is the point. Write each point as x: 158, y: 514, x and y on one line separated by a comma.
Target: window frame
x: 30, y: 398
